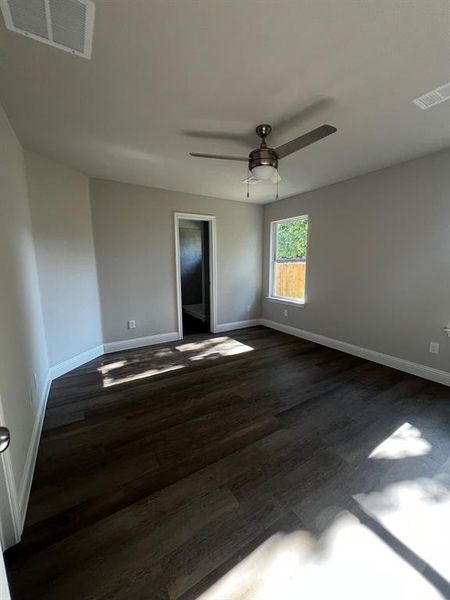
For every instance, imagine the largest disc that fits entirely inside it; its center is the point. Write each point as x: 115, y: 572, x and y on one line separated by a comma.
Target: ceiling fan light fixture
x: 263, y: 172
x: 263, y: 161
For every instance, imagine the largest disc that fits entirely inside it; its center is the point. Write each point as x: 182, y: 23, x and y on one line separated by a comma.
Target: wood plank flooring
x: 162, y: 469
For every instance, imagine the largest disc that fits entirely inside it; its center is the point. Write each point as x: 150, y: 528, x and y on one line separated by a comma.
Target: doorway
x: 195, y: 262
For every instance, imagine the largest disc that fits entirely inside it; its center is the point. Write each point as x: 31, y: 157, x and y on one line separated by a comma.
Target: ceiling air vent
x: 65, y: 24
x: 434, y: 97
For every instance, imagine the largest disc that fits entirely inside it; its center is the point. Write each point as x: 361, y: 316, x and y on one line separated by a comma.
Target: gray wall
x: 379, y: 260
x: 23, y: 350
x: 135, y: 249
x: 62, y: 231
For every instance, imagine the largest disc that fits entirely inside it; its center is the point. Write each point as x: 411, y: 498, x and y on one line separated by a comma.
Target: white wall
x: 379, y: 260
x: 23, y: 349
x: 135, y: 249
x: 62, y: 231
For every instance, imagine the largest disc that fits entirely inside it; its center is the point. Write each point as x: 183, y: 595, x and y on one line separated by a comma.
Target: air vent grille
x: 65, y: 24
x: 434, y: 97
x: 29, y: 15
x: 68, y: 23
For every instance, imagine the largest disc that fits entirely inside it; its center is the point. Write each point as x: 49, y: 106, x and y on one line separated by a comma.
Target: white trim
x: 30, y: 462
x: 48, y: 19
x: 289, y: 219
x: 384, y: 359
x: 272, y: 252
x: 76, y: 361
x: 4, y: 586
x: 18, y: 495
x: 11, y: 530
x: 285, y: 301
x: 89, y: 33
x: 237, y: 325
x: 148, y: 340
x: 178, y: 278
x: 212, y: 267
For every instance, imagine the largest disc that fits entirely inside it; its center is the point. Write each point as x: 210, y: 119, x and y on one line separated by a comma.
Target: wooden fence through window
x: 290, y: 279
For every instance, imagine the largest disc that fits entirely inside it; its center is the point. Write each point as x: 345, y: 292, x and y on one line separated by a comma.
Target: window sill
x: 300, y: 303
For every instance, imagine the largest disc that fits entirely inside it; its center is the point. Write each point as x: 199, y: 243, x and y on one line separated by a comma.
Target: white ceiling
x: 163, y: 69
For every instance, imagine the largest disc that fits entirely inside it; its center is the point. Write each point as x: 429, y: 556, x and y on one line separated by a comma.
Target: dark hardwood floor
x: 163, y: 469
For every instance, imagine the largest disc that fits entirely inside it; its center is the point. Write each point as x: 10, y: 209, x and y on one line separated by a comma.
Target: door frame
x: 4, y: 587
x: 10, y: 521
x: 212, y: 267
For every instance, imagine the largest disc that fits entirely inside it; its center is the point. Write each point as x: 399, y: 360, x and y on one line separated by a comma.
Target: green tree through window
x: 292, y: 240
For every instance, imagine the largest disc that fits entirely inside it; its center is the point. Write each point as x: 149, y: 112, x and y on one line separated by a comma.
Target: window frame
x: 271, y: 297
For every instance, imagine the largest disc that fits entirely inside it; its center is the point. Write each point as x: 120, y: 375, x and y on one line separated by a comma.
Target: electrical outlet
x: 132, y: 324
x: 35, y: 380
x: 286, y: 312
x: 248, y: 307
x: 434, y: 347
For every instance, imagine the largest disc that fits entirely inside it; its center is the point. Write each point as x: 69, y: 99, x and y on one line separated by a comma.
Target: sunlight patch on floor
x: 111, y: 366
x: 405, y: 442
x: 348, y: 561
x: 172, y: 359
x: 222, y: 346
x: 417, y: 513
x: 109, y: 381
x: 392, y: 543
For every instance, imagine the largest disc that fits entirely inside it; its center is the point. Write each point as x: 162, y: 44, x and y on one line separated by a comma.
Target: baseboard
x: 18, y: 494
x: 237, y: 325
x: 383, y: 359
x: 148, y: 340
x: 21, y: 493
x: 28, y: 471
x: 76, y: 361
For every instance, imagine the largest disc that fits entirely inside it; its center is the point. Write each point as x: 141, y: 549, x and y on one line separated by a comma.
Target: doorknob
x: 5, y: 438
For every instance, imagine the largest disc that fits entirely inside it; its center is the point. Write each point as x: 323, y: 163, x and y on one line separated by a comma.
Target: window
x: 289, y: 245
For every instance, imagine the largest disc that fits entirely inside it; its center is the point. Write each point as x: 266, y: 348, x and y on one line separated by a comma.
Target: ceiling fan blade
x: 304, y: 140
x: 219, y: 156
x: 275, y: 177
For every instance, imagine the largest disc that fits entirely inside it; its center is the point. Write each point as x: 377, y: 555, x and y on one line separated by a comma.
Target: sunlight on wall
x: 406, y: 441
x: 170, y: 359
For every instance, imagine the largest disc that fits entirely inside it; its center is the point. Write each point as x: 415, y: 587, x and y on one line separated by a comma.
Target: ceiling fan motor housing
x: 263, y: 156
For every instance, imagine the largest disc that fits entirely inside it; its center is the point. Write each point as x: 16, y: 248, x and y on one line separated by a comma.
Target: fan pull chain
x: 248, y: 184
x: 277, y: 185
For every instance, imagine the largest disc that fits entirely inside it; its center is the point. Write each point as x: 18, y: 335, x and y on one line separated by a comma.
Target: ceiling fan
x: 263, y: 162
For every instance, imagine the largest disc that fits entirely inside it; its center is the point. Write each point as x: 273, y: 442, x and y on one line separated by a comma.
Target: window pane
x: 290, y: 279
x: 292, y: 239
x: 289, y: 266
